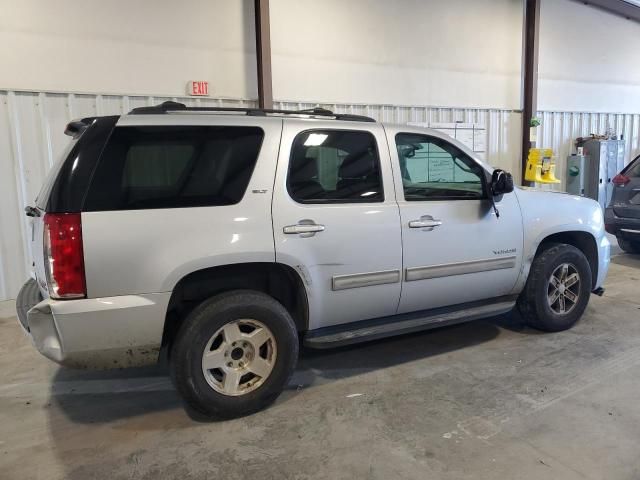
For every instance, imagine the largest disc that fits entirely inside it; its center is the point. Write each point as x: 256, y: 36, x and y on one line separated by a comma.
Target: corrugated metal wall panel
x: 31, y: 139
x: 559, y: 131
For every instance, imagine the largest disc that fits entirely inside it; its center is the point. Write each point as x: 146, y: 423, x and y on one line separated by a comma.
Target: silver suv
x: 224, y: 237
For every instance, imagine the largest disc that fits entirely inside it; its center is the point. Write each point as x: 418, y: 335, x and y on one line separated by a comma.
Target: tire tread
x: 181, y: 356
x: 528, y: 301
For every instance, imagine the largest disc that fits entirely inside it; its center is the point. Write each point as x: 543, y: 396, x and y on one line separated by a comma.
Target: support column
x: 263, y: 54
x: 529, y: 101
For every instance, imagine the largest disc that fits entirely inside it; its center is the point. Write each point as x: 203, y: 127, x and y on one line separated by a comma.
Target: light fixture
x: 315, y: 139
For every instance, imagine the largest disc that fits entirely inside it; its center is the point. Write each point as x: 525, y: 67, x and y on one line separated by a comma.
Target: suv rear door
x: 626, y: 198
x: 336, y: 220
x: 455, y: 250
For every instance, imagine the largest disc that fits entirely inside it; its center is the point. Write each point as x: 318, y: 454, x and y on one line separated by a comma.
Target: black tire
x: 629, y: 246
x: 533, y: 303
x: 196, y: 331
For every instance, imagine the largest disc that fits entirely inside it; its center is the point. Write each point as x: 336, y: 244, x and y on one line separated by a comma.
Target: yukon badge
x: 504, y: 251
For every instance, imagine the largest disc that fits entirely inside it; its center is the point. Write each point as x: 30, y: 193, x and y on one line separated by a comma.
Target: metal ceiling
x: 629, y: 9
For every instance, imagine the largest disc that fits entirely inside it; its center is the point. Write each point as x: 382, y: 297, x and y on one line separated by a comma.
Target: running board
x: 374, y: 329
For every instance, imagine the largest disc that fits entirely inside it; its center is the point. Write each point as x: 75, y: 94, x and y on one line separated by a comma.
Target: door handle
x: 426, y: 221
x: 303, y: 228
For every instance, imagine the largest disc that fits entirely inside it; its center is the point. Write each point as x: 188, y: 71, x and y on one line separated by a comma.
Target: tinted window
x: 434, y: 169
x: 337, y: 166
x: 43, y: 196
x: 634, y: 169
x: 169, y: 167
x: 67, y: 183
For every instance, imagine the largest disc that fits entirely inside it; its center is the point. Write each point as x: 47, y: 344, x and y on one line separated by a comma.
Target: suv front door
x: 455, y: 249
x: 335, y: 219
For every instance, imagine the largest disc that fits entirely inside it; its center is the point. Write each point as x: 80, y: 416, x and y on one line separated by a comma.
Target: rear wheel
x: 234, y: 354
x: 628, y: 245
x: 557, y: 290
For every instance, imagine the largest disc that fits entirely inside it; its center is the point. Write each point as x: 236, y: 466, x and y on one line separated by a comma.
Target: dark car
x: 622, y: 217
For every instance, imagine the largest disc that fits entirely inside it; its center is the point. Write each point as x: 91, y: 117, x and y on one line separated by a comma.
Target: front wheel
x: 234, y: 354
x: 557, y: 290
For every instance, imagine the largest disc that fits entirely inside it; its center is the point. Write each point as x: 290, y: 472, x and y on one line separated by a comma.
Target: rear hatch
x: 626, y: 194
x: 65, y: 185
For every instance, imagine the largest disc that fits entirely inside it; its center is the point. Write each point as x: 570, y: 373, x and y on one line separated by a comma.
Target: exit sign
x: 198, y: 88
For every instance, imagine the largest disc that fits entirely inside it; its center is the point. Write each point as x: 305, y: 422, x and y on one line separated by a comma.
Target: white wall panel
x: 589, y: 59
x: 123, y: 46
x: 403, y: 52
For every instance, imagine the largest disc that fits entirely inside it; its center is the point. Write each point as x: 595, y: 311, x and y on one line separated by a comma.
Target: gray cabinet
x: 603, y: 160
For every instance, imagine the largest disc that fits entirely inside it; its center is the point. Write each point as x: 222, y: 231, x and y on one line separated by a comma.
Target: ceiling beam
x: 627, y: 9
x: 529, y: 100
x: 263, y: 54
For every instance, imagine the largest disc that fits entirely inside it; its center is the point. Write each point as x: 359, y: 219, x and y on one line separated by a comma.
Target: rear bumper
x: 627, y: 228
x: 110, y: 332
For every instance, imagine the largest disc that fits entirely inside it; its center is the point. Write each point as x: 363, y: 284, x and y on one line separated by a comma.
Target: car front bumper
x: 627, y: 228
x: 109, y: 332
x: 604, y: 259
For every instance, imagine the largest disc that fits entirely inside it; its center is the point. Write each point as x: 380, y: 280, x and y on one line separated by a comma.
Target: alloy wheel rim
x: 239, y: 357
x: 563, y: 291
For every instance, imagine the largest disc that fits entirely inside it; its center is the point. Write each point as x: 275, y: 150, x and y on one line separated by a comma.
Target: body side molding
x: 461, y: 268
x: 357, y: 280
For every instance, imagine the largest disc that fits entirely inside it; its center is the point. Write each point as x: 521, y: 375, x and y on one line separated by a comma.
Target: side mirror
x: 501, y: 182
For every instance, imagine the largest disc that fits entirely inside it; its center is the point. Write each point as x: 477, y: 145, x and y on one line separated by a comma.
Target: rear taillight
x: 620, y: 180
x: 64, y: 259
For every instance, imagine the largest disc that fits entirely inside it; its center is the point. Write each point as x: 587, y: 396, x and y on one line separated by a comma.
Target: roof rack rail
x: 173, y: 107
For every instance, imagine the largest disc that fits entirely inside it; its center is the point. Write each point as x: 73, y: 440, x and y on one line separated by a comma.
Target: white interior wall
x: 589, y: 60
x: 463, y: 53
x: 122, y: 46
x: 459, y: 53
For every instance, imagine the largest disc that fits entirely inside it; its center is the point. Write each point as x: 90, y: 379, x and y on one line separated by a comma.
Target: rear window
x: 173, y: 167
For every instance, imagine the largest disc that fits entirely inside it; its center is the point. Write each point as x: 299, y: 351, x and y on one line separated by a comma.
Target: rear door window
x: 173, y: 167
x: 335, y: 166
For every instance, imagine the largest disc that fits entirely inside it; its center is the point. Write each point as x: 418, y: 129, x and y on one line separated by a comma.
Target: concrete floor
x: 483, y: 400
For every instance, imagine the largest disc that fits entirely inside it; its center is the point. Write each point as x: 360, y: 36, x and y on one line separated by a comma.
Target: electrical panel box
x: 603, y: 160
x: 577, y: 175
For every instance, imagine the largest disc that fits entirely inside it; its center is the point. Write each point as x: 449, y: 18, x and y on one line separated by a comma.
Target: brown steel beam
x: 263, y: 54
x: 530, y: 42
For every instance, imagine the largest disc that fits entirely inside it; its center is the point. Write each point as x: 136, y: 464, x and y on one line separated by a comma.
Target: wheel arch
x: 278, y: 280
x: 582, y: 240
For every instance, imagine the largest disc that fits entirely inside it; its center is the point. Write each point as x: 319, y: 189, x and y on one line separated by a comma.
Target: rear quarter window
x: 52, y: 175
x: 174, y: 167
